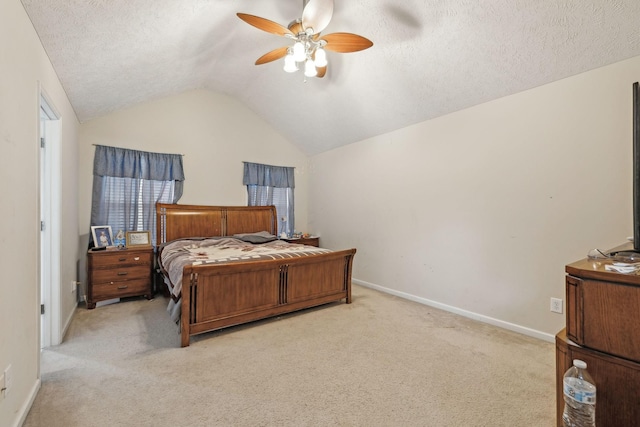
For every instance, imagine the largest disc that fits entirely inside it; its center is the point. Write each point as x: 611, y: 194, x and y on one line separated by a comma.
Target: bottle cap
x: 580, y: 364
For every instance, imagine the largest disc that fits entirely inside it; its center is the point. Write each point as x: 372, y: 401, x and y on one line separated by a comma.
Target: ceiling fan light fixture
x: 310, y: 68
x: 290, y: 65
x: 308, y: 46
x: 299, y: 52
x: 320, y: 57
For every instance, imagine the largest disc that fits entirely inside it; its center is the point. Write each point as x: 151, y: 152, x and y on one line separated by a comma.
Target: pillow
x: 259, y: 237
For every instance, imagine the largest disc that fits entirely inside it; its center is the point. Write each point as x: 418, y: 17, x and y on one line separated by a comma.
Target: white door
x: 45, y: 241
x: 49, y: 239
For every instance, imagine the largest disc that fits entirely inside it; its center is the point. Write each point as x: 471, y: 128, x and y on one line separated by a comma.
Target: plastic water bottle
x: 579, y: 397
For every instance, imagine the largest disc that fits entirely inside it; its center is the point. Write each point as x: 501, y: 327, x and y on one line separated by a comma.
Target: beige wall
x: 215, y: 134
x: 24, y: 69
x: 479, y: 211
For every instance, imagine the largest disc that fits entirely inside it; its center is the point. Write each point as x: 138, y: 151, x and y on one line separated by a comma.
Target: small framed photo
x: 102, y: 236
x: 138, y: 239
x: 119, y: 239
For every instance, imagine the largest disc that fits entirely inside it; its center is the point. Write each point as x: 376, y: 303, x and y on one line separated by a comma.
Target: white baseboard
x: 67, y: 323
x: 475, y: 316
x: 26, y: 406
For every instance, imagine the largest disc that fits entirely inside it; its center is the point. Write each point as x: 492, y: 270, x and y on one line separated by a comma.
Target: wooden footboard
x: 218, y: 296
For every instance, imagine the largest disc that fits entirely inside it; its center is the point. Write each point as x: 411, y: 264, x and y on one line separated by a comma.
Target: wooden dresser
x: 119, y: 273
x: 603, y: 329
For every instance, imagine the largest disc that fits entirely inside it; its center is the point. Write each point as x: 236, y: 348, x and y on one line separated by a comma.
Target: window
x: 129, y: 203
x: 272, y: 185
x: 127, y: 184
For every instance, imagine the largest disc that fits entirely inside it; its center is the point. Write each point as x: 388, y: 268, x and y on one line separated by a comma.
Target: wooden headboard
x: 179, y: 221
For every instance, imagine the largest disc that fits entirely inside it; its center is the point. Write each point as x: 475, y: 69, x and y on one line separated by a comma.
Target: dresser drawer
x: 616, y: 378
x: 117, y: 273
x: 115, y: 258
x: 120, y: 289
x: 604, y: 316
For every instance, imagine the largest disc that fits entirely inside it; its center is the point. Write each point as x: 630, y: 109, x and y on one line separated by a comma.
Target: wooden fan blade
x: 272, y: 56
x: 346, y: 42
x: 317, y: 15
x: 296, y: 27
x: 265, y: 24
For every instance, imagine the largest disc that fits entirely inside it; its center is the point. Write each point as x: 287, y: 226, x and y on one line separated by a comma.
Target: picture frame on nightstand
x: 138, y: 239
x: 102, y: 236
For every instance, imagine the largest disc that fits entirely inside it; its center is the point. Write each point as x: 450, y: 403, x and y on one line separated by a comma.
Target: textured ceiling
x: 430, y: 57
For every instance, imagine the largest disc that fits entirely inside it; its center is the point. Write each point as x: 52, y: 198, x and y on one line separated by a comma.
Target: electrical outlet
x: 8, y: 380
x: 556, y: 305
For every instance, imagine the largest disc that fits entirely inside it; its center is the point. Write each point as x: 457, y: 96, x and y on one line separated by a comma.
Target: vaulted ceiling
x: 429, y: 58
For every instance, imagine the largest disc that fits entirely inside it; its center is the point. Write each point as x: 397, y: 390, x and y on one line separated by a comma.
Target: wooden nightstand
x: 119, y: 273
x: 309, y: 241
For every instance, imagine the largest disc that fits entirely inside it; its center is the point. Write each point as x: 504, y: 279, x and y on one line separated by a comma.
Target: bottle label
x: 579, y: 394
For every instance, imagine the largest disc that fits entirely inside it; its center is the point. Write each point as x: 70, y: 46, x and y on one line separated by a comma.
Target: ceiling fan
x: 309, y: 46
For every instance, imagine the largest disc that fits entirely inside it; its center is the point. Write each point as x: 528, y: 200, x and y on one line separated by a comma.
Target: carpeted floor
x: 381, y: 361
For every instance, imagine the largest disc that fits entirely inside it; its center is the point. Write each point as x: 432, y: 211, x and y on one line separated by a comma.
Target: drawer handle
x: 123, y: 287
x: 137, y: 258
x: 122, y: 259
x: 122, y: 273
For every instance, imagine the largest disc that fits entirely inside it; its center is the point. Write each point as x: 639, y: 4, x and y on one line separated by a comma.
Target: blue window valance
x: 268, y: 176
x: 126, y: 163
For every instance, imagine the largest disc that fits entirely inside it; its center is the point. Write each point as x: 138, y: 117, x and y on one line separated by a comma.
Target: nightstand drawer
x: 120, y: 289
x: 309, y: 241
x: 117, y: 274
x: 114, y: 258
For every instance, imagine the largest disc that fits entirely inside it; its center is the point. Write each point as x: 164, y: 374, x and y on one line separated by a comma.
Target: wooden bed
x: 216, y: 296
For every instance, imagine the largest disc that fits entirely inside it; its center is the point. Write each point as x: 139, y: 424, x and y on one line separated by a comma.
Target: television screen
x: 636, y: 167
